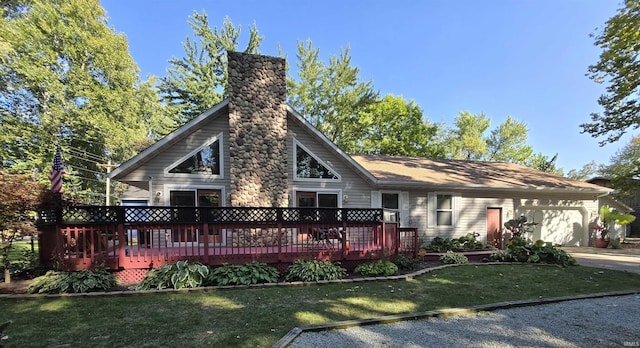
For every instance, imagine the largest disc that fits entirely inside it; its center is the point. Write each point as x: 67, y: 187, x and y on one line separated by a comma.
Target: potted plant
x: 607, y: 217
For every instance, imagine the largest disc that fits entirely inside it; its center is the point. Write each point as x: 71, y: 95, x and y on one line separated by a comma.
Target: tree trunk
x: 7, y: 276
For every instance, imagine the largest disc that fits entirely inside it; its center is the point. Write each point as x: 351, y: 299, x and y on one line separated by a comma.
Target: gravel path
x: 602, y: 322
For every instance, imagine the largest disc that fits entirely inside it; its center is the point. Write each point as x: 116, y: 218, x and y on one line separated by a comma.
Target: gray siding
x: 352, y: 184
x: 471, y: 211
x: 155, y: 167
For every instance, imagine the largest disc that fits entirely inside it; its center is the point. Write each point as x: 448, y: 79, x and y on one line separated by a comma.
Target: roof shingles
x: 465, y: 174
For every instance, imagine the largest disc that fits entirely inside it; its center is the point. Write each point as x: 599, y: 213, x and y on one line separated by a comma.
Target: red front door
x: 494, y: 227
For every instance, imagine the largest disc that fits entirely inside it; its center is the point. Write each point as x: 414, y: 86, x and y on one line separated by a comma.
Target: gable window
x: 205, y: 160
x: 444, y: 210
x: 310, y: 168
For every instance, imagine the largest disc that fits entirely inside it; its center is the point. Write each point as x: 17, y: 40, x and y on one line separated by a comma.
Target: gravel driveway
x: 601, y: 322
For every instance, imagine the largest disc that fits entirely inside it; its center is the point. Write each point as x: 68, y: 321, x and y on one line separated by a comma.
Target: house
x: 254, y: 150
x: 627, y: 205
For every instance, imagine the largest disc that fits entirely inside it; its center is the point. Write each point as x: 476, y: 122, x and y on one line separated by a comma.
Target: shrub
x: 522, y: 250
x: 465, y: 243
x: 313, y: 271
x: 405, y: 262
x: 250, y: 273
x: 454, y: 258
x: 54, y: 282
x: 177, y: 276
x: 378, y: 268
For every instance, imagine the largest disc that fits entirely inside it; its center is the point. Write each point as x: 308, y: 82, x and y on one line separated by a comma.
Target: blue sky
x: 521, y: 58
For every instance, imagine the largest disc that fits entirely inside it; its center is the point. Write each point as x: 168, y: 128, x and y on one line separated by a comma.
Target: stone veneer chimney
x: 257, y: 130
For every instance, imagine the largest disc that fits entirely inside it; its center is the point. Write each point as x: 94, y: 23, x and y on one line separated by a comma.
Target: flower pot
x: 601, y: 243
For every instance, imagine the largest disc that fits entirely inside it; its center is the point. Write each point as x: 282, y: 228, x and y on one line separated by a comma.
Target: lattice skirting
x: 131, y: 275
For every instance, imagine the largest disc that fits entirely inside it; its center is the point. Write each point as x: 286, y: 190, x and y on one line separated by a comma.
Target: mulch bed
x: 19, y: 286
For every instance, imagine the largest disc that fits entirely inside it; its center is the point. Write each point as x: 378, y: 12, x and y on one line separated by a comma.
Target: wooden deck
x: 121, y: 238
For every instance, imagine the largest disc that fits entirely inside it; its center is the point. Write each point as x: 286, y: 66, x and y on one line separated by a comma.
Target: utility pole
x: 108, y: 190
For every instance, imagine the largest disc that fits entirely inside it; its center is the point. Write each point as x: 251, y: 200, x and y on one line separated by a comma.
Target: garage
x: 567, y: 226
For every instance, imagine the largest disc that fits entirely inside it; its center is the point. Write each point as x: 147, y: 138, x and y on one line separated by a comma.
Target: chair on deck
x: 324, y: 235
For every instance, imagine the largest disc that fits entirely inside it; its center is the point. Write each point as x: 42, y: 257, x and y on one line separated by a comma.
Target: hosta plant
x: 249, y: 273
x: 177, y: 276
x: 54, y: 282
x: 454, y: 258
x: 378, y: 268
x: 314, y: 270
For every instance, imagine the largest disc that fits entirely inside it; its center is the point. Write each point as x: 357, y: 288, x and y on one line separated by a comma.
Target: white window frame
x: 296, y: 143
x: 294, y: 201
x: 194, y: 188
x: 403, y: 204
x: 207, y: 142
x: 432, y: 206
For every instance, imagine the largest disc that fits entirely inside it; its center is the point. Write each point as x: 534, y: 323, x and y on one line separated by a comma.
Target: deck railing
x: 125, y: 237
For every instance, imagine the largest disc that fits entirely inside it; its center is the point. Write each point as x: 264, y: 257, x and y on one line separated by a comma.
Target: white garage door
x: 562, y: 226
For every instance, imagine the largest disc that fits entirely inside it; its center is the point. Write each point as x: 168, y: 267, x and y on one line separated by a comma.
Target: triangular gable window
x: 310, y: 167
x: 206, y: 160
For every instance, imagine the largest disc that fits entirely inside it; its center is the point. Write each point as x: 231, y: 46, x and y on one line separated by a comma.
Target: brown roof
x: 418, y: 171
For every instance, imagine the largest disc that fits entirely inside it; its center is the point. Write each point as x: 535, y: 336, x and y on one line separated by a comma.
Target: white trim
x: 135, y: 161
x: 296, y: 116
x: 218, y: 137
x: 317, y: 190
x: 432, y: 209
x: 296, y: 143
x: 185, y: 187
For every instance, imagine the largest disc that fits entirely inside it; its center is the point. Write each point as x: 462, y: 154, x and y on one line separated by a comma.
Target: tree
x: 393, y: 126
x: 198, y: 81
x: 66, y: 78
x: 330, y: 95
x: 624, y: 169
x: 19, y: 195
x: 587, y: 172
x: 508, y: 142
x: 544, y: 163
x: 619, y: 67
x: 466, y: 141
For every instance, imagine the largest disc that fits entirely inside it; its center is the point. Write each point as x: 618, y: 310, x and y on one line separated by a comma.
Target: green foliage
x: 54, y: 282
x: 198, y: 81
x: 177, y: 276
x: 467, y: 141
x: 624, y: 170
x: 330, y: 95
x: 454, y: 258
x: 378, y: 268
x: 66, y: 77
x: 405, y: 262
x: 314, y: 270
x: 467, y: 242
x: 393, y: 126
x: 522, y: 250
x: 618, y: 67
x: 250, y: 273
x: 609, y: 216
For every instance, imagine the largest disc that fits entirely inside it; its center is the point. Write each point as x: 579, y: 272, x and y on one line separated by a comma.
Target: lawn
x: 258, y: 317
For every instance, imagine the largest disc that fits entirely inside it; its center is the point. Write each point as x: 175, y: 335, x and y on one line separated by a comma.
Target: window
x: 310, y: 167
x: 444, y: 210
x: 309, y: 199
x: 205, y: 160
x: 390, y: 201
x: 327, y: 200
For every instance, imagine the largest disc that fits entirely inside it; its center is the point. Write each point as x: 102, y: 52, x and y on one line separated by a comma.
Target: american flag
x: 57, y: 171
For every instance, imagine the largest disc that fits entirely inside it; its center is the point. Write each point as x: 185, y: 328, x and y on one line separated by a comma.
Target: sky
x: 526, y: 59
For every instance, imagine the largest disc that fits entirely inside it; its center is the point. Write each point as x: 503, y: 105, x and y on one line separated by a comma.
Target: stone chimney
x: 257, y: 130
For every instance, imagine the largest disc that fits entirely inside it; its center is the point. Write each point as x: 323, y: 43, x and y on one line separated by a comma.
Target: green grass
x: 261, y: 316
